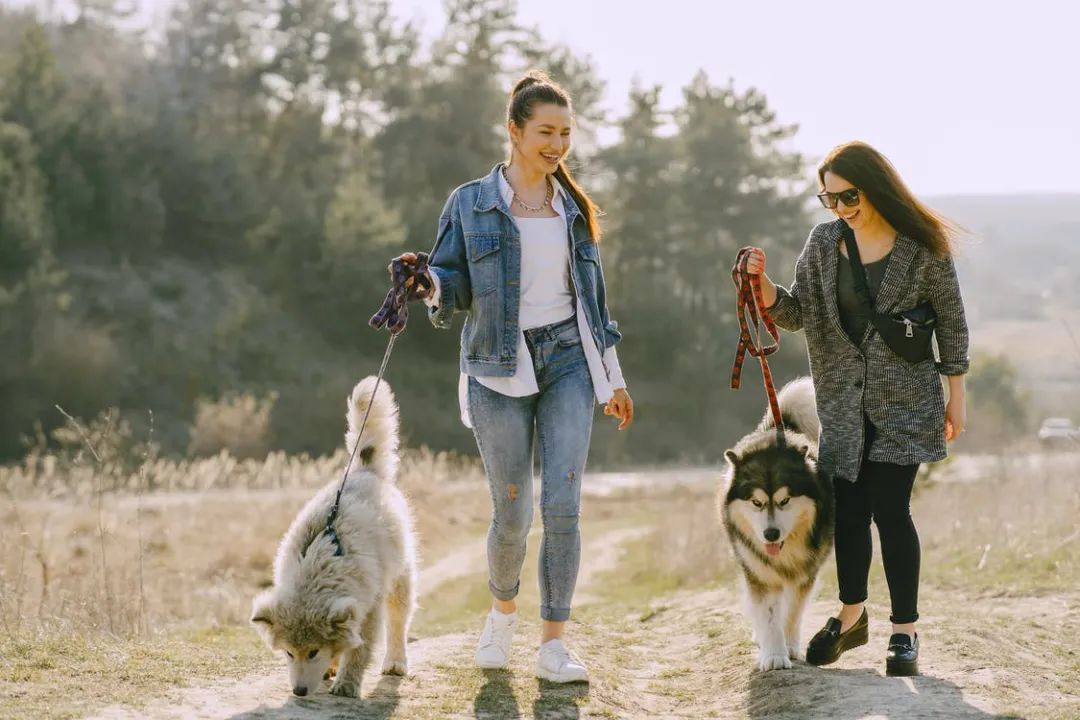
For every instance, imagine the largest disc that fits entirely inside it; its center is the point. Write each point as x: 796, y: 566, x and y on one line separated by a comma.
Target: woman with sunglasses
x: 881, y: 415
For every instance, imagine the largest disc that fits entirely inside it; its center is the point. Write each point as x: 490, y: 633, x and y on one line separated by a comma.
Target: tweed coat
x: 904, y: 401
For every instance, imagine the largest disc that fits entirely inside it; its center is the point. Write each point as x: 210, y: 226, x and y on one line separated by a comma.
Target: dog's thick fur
x: 324, y: 608
x: 778, y: 513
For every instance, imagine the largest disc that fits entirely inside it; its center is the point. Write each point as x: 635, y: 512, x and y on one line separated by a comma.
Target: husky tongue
x: 773, y: 548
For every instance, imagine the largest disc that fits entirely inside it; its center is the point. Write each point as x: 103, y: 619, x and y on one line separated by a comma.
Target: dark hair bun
x: 533, y: 77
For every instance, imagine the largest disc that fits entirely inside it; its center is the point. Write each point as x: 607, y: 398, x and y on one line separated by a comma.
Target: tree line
x: 209, y: 209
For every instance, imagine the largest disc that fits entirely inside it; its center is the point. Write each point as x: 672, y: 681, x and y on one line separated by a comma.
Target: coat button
x: 858, y: 384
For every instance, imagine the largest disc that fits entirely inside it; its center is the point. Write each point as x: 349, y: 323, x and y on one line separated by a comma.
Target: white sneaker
x: 557, y: 664
x: 493, y: 650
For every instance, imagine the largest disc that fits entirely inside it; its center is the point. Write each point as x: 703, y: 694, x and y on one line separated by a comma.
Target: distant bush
x: 239, y: 423
x: 999, y: 410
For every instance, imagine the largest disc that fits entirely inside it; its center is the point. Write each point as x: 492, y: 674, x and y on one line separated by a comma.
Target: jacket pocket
x: 587, y: 251
x: 586, y: 265
x: 483, y: 254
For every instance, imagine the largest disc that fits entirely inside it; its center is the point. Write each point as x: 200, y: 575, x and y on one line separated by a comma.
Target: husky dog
x: 333, y: 588
x: 778, y: 513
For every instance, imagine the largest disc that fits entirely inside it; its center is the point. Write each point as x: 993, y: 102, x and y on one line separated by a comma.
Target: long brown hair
x: 537, y: 87
x: 874, y: 176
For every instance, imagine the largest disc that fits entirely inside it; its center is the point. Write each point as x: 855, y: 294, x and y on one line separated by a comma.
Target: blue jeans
x: 560, y: 416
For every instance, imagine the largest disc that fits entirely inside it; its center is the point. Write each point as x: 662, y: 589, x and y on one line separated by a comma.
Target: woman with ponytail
x: 516, y: 251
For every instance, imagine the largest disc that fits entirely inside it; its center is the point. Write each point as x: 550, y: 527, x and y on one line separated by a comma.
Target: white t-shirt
x: 546, y: 297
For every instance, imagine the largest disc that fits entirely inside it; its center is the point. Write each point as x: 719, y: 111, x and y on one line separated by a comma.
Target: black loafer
x: 829, y: 643
x: 902, y: 657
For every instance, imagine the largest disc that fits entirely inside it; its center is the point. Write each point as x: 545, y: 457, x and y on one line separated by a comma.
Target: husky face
x: 773, y: 495
x: 772, y: 519
x: 311, y: 644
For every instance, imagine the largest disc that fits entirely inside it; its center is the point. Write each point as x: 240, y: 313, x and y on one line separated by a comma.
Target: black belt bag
x: 907, y: 333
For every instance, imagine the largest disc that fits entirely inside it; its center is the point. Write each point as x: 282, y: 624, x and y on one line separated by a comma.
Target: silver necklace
x: 520, y: 202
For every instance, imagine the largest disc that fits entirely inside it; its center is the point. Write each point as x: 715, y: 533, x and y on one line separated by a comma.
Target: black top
x: 852, y: 314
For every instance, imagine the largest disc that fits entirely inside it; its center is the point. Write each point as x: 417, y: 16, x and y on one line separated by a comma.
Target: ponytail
x: 585, y: 203
x: 537, y: 87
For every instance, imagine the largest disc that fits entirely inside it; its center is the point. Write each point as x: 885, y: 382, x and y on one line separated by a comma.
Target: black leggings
x: 882, y: 492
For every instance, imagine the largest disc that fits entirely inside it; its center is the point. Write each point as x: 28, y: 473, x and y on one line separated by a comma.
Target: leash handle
x: 409, y: 281
x: 751, y: 301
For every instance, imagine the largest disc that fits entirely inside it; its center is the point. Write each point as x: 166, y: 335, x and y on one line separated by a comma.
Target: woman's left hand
x: 955, y: 418
x: 622, y: 407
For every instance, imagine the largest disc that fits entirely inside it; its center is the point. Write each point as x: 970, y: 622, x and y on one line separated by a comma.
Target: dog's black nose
x: 299, y: 691
x: 772, y: 534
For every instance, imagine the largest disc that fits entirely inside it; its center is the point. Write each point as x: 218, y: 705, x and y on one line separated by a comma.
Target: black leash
x: 408, y: 283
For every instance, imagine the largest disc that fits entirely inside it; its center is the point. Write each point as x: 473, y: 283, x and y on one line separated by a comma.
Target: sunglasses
x: 849, y: 197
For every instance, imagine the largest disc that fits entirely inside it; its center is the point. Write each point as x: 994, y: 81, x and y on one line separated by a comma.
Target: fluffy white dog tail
x: 798, y: 408
x: 379, y: 443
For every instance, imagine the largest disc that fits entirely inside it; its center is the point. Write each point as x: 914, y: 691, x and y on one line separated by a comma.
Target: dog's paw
x: 395, y: 666
x: 773, y: 662
x: 345, y: 688
x: 795, y: 653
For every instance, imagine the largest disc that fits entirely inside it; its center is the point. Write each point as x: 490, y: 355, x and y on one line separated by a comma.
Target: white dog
x: 334, y: 589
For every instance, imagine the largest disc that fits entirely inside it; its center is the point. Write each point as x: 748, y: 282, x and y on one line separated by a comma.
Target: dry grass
x: 1051, y: 366
x: 207, y: 545
x: 988, y: 524
x: 52, y: 675
x: 199, y: 553
x: 97, y: 583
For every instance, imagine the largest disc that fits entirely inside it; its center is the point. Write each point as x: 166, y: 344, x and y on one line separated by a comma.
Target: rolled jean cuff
x: 554, y: 614
x: 903, y: 619
x: 504, y: 595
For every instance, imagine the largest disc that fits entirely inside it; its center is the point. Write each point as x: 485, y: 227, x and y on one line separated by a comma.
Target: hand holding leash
x: 408, y: 281
x: 749, y: 301
x: 755, y: 261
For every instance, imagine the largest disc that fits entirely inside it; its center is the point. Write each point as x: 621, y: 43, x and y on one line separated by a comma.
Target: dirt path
x: 698, y: 662
x: 267, y: 695
x: 691, y: 657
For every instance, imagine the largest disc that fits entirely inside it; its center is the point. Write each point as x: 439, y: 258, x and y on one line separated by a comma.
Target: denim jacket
x: 477, y: 260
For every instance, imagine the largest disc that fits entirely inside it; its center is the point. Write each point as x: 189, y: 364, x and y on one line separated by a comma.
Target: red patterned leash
x: 750, y: 301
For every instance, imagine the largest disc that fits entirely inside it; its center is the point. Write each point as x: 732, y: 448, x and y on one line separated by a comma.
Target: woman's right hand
x: 408, y: 259
x: 403, y: 269
x: 755, y: 264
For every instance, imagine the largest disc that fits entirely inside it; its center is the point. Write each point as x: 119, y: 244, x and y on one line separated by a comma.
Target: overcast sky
x: 963, y: 96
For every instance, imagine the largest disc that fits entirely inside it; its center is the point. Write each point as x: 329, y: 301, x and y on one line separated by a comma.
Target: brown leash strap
x: 749, y: 301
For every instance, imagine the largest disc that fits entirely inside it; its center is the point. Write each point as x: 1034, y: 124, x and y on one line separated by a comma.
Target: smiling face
x: 544, y: 141
x: 858, y: 217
